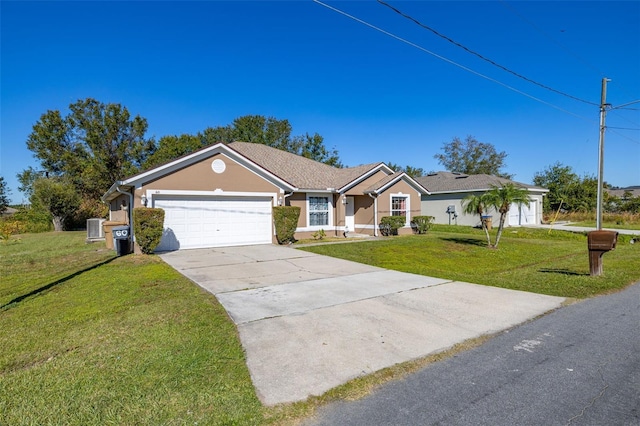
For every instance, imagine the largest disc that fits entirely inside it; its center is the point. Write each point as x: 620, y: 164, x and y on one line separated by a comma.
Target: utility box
x: 598, y: 243
x: 121, y: 239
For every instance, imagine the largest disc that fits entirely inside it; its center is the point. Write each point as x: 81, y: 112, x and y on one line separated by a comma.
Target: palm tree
x: 477, y: 204
x: 502, y: 198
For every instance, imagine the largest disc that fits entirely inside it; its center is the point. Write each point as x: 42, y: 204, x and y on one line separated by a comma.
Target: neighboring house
x: 10, y: 211
x: 223, y: 195
x: 632, y: 191
x: 447, y: 190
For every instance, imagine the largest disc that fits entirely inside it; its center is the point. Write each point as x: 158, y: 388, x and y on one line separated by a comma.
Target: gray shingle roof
x: 634, y: 190
x: 459, y: 182
x: 300, y: 172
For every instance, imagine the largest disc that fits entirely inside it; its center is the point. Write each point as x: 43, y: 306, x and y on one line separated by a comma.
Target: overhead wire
x: 484, y: 58
x: 602, y: 74
x: 410, y: 43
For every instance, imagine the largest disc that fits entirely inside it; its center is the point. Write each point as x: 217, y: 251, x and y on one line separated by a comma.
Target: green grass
x: 88, y: 338
x: 612, y: 225
x: 533, y: 260
x: 129, y: 341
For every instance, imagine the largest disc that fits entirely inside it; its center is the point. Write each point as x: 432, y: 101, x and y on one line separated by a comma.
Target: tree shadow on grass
x: 13, y: 303
x: 466, y: 241
x: 562, y: 272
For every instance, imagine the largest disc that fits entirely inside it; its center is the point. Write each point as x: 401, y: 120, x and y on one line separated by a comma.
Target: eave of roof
x: 447, y: 182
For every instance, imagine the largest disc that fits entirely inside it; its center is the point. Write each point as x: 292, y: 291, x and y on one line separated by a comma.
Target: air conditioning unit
x: 95, y: 231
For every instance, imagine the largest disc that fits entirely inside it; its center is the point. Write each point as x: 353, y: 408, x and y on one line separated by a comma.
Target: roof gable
x: 388, y: 181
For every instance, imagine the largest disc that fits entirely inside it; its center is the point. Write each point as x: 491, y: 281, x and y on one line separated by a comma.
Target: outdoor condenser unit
x: 94, y: 229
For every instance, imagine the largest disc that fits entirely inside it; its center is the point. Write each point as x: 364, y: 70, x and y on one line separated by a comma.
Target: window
x: 399, y: 206
x: 318, y: 211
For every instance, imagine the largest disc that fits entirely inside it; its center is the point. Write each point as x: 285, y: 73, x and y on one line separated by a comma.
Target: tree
x: 558, y: 179
x: 414, y: 172
x: 501, y: 198
x: 4, y: 195
x: 58, y: 197
x: 313, y: 147
x: 91, y: 147
x: 171, y: 147
x: 477, y: 204
x: 567, y: 189
x: 472, y: 157
x: 250, y: 128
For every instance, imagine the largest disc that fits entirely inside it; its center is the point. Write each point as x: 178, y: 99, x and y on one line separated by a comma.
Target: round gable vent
x: 218, y: 166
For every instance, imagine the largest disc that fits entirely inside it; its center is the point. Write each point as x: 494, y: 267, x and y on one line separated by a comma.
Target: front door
x: 349, y: 221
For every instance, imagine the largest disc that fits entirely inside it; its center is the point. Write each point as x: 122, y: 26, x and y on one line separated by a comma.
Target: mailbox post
x: 599, y: 242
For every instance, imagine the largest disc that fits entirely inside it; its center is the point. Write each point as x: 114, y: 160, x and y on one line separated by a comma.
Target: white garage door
x: 522, y: 215
x: 199, y: 222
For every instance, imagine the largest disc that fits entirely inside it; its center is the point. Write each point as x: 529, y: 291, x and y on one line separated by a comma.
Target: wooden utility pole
x: 603, y: 114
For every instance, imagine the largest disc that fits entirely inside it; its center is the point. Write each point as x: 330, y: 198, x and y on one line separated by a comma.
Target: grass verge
x: 533, y: 260
x: 129, y: 341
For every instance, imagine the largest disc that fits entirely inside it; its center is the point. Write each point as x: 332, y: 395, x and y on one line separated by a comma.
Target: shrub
x: 9, y: 227
x: 148, y: 225
x: 286, y: 221
x: 389, y: 225
x: 33, y: 219
x: 421, y: 224
x: 318, y: 235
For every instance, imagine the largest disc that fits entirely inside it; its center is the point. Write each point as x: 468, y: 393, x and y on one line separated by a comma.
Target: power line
x: 450, y: 61
x: 506, y: 4
x: 483, y: 57
x: 534, y: 26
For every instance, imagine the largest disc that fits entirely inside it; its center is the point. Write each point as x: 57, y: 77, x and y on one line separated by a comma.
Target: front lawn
x: 539, y: 261
x: 91, y: 339
x: 88, y: 338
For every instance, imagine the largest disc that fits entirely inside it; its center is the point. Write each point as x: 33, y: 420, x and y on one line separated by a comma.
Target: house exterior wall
x: 364, y: 217
x: 436, y: 205
x: 201, y: 177
x: 366, y: 184
x: 119, y: 209
x: 399, y: 189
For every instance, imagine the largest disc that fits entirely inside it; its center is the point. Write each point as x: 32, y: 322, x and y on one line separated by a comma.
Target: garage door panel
x: 197, y: 222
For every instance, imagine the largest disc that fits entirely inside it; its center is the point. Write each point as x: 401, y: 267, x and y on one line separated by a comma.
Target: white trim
x: 407, y: 207
x: 329, y: 216
x: 150, y: 193
x: 408, y: 179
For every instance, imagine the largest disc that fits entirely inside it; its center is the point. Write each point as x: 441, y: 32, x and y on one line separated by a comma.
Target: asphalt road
x: 579, y: 365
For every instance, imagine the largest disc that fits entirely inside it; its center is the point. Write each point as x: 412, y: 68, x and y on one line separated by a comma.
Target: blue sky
x: 186, y: 66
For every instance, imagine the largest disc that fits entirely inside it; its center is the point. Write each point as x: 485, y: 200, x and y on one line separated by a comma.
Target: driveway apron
x: 309, y: 323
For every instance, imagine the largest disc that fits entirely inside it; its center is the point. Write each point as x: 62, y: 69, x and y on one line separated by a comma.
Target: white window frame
x: 407, y: 206
x: 329, y: 198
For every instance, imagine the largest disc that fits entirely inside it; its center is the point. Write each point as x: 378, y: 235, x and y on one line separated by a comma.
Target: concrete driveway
x: 309, y: 323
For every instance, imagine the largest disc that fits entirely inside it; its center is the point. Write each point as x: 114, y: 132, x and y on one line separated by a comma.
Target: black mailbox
x: 121, y: 239
x: 599, y: 242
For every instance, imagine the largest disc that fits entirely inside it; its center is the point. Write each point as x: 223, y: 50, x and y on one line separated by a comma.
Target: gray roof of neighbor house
x: 634, y: 190
x: 442, y: 182
x: 301, y: 172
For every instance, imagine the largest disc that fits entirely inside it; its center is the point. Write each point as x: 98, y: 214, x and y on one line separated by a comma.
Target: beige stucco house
x: 223, y: 195
x: 447, y: 190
